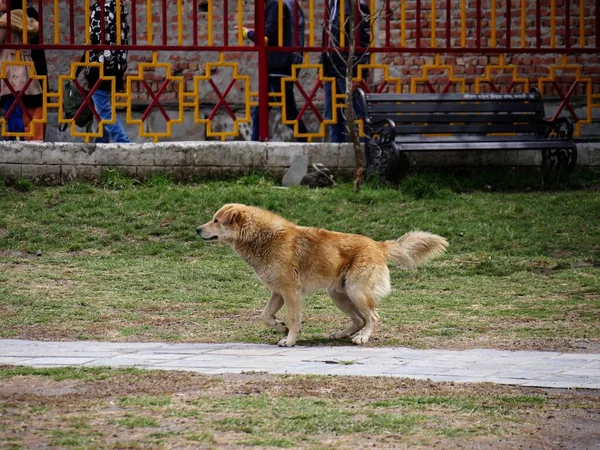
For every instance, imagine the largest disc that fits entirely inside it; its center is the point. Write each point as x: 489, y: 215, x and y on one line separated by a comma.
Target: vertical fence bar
x: 195, y: 21
x: 448, y: 24
x: 582, y: 24
x: 538, y: 23
x: 311, y: 25
x: 493, y: 24
x: 388, y: 23
x: 71, y: 21
x: 118, y: 21
x: 598, y: 24
x: 402, y: 23
x: 164, y: 22
x: 523, y: 23
x: 280, y: 22
x: 86, y: 15
x: 149, y: 22
x: 226, y: 20
x: 508, y: 23
x: 478, y: 24
x: 180, y: 22
x: 463, y: 23
x: 342, y: 40
x: 552, y: 23
x: 568, y: 23
x: 263, y: 78
x: 433, y: 23
x: 57, y: 23
x: 418, y: 31
x: 210, y: 23
x: 133, y: 11
x: 40, y: 8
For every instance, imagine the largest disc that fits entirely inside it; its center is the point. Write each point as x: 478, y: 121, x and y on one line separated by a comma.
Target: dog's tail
x: 414, y: 248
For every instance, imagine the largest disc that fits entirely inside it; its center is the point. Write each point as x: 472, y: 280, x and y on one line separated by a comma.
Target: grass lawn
x: 121, y: 261
x: 104, y: 408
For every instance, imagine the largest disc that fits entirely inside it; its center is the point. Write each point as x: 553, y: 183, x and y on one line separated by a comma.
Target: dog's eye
x: 215, y: 221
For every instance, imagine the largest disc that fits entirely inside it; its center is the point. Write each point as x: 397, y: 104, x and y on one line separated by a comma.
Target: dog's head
x: 225, y: 225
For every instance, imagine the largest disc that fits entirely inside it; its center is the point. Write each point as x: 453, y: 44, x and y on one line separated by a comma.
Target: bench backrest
x: 457, y: 113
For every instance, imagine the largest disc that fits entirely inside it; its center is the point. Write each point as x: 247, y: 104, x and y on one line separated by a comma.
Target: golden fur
x: 294, y: 261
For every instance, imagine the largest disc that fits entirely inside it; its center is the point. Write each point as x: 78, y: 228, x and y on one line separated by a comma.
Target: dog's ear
x: 230, y: 216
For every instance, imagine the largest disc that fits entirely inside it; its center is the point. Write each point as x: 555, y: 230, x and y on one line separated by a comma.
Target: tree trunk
x: 350, y: 117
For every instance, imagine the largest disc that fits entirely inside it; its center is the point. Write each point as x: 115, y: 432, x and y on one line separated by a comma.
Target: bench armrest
x: 563, y: 128
x: 381, y: 132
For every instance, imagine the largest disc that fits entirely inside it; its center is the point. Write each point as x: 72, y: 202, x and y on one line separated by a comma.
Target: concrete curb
x: 522, y: 368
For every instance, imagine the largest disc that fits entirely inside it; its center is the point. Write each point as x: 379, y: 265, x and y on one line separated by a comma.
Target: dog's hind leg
x: 343, y: 302
x: 362, y: 337
x: 268, y: 315
x: 293, y: 304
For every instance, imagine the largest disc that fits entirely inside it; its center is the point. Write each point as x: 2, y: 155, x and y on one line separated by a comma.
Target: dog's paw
x: 360, y: 339
x: 338, y: 335
x: 285, y: 342
x: 280, y: 326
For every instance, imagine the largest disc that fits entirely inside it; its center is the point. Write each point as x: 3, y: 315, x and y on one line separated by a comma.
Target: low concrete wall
x: 56, y: 163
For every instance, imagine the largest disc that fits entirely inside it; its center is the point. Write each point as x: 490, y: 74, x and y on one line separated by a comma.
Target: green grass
x: 121, y: 261
x: 117, y: 408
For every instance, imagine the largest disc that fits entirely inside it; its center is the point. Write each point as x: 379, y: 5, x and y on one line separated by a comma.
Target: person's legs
x: 274, y: 86
x: 337, y: 131
x: 291, y: 111
x: 38, y: 128
x: 102, y: 103
x: 14, y: 122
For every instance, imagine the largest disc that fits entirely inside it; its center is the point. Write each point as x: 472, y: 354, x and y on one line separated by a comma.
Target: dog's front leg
x: 293, y: 304
x: 268, y: 315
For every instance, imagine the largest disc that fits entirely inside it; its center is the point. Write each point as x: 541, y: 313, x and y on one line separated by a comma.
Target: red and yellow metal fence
x: 187, y: 55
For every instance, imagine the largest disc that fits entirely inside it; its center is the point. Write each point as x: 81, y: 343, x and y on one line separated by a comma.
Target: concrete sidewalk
x: 539, y: 369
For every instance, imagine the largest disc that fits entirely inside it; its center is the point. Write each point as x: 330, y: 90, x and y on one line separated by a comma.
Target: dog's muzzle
x: 210, y: 238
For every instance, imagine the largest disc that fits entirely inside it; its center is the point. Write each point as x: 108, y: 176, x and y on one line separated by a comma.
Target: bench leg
x: 556, y: 162
x: 387, y: 162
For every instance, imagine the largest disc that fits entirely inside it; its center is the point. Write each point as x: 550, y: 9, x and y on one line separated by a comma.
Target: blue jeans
x: 14, y: 122
x: 337, y: 131
x: 291, y: 110
x: 103, y: 104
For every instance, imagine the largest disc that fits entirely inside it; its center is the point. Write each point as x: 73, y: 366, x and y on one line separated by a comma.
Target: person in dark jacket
x: 280, y: 63
x: 335, y: 60
x: 114, y: 62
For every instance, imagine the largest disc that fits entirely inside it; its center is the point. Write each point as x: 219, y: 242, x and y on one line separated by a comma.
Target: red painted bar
x: 263, y: 79
x: 226, y: 18
x: 195, y: 21
x: 508, y: 20
x: 133, y: 37
x: 164, y: 22
x: 102, y: 21
x: 40, y: 9
x: 597, y: 24
x: 418, y: 31
x: 478, y: 24
x: 538, y: 23
x: 71, y: 22
x: 388, y: 24
x: 448, y: 24
x: 567, y: 24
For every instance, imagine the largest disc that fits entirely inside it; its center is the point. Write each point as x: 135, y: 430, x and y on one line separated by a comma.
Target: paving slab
x: 526, y: 368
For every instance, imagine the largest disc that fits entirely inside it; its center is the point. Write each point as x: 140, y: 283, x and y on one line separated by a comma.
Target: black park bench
x: 398, y: 123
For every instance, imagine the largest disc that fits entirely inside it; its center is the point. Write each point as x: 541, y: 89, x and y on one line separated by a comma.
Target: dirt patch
x: 151, y: 409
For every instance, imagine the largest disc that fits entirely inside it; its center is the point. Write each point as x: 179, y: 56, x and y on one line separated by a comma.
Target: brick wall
x: 404, y: 65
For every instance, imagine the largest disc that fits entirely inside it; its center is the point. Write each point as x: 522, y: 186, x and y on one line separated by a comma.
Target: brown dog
x: 295, y: 261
